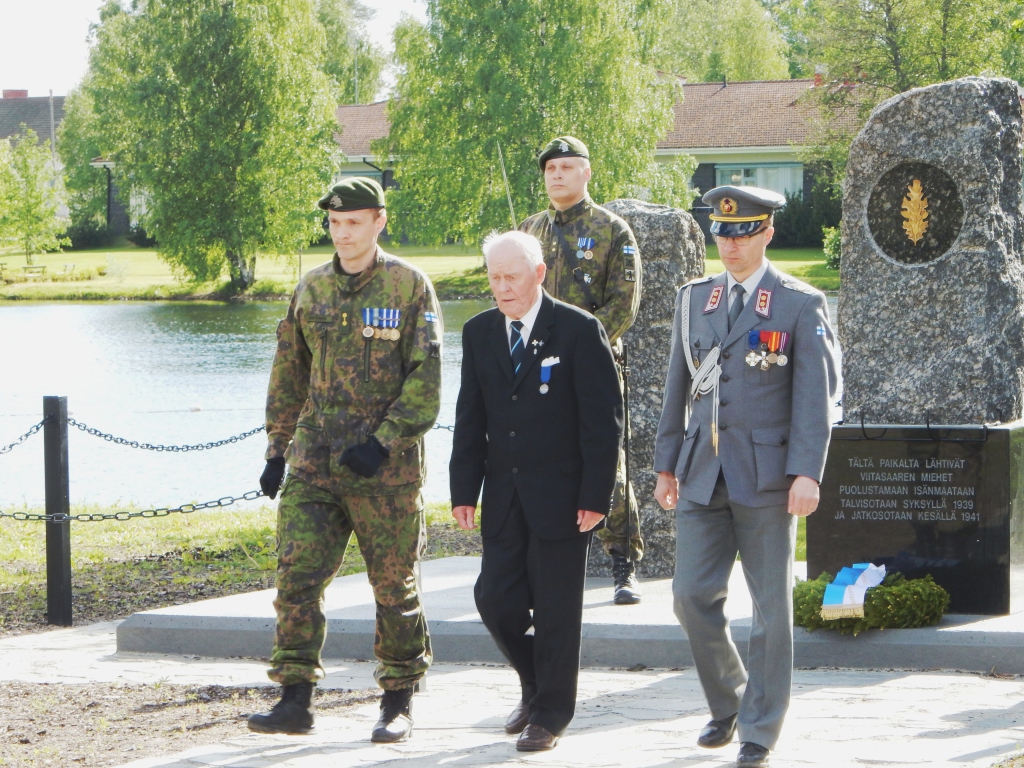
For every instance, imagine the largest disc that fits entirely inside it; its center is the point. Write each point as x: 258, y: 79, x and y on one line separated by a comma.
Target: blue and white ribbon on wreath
x: 844, y: 597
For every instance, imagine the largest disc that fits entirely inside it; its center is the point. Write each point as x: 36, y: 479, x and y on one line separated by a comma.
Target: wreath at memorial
x: 896, y: 603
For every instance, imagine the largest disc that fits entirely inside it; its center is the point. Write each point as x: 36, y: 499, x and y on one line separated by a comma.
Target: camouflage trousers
x: 624, y: 512
x: 614, y: 536
x: 313, y: 529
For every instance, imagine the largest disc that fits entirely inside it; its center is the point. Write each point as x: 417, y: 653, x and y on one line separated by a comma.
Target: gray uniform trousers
x: 708, y: 538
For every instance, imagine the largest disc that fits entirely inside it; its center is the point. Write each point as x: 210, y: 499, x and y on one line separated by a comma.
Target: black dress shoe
x: 752, y: 755
x: 536, y: 738
x: 717, y: 733
x: 516, y: 722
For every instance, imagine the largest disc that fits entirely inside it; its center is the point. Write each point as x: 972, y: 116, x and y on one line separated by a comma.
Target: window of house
x: 784, y: 178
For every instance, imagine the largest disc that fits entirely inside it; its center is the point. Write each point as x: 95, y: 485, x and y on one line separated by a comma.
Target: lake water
x: 161, y: 373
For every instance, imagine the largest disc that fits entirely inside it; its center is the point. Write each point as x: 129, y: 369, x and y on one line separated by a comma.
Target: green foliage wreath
x: 895, y: 603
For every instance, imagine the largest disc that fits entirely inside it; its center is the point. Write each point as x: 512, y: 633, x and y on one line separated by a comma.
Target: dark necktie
x: 737, y: 304
x: 518, y: 348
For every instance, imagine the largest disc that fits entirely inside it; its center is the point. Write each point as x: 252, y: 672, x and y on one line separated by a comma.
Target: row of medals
x: 761, y: 356
x: 391, y: 334
x: 584, y: 254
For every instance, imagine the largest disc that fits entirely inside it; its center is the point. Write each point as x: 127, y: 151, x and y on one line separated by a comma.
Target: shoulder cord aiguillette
x: 705, y: 377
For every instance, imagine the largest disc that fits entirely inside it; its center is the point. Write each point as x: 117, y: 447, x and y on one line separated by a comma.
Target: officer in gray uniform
x: 740, y: 451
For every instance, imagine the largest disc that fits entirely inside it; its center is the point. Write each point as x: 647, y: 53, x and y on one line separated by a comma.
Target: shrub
x: 832, y: 243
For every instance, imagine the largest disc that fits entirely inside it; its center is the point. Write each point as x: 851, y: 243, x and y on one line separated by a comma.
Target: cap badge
x: 563, y: 147
x: 728, y: 205
x: 336, y: 201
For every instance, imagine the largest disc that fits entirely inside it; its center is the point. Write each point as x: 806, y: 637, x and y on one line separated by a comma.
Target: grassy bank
x: 139, y: 274
x: 144, y: 563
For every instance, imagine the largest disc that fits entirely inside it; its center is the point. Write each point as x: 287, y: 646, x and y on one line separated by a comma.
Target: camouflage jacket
x: 613, y: 266
x: 332, y: 387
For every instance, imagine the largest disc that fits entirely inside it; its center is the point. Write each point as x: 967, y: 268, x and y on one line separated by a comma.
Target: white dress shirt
x: 527, y: 320
x: 749, y: 285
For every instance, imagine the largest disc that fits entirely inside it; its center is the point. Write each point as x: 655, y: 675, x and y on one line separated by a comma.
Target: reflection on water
x: 162, y: 373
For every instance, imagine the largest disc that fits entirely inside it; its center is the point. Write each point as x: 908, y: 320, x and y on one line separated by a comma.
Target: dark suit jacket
x: 558, y: 450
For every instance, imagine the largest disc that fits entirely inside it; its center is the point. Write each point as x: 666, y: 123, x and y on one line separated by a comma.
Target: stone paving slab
x: 838, y: 718
x: 617, y: 636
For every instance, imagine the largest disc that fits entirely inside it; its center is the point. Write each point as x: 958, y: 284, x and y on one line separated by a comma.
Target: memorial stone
x: 931, y: 314
x: 931, y: 311
x: 672, y: 249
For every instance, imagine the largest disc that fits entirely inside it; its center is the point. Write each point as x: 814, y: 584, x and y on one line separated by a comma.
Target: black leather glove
x: 365, y: 459
x: 273, y: 474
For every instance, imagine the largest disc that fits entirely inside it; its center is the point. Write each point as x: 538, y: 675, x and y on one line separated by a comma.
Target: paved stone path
x: 649, y: 718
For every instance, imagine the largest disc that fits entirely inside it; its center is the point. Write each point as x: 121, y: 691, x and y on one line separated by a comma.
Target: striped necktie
x: 518, y: 348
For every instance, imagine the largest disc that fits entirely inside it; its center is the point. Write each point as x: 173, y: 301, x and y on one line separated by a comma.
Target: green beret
x: 563, y: 146
x: 353, y: 194
x: 739, y: 211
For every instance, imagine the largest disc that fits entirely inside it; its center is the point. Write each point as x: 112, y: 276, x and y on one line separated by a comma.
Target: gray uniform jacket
x: 773, y: 424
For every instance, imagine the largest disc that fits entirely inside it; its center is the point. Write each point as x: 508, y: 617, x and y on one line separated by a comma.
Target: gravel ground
x: 100, y: 725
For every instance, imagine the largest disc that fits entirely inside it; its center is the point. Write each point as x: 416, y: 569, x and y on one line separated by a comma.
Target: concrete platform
x: 613, y: 636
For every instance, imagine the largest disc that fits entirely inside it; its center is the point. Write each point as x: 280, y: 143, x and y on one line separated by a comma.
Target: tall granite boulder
x: 931, y: 310
x: 672, y: 250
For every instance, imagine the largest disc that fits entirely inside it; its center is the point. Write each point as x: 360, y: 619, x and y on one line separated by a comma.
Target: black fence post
x: 58, y: 534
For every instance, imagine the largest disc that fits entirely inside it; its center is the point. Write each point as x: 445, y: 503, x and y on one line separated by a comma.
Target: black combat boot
x: 395, y: 721
x: 627, y: 588
x: 292, y: 714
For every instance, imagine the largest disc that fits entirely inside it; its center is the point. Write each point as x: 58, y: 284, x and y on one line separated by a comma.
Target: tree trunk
x: 243, y: 272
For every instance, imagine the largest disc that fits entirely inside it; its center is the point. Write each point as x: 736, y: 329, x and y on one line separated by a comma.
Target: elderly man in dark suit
x: 740, y: 451
x: 538, y: 424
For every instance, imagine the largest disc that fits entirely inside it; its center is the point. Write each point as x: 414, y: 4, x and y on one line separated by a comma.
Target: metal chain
x: 23, y: 438
x: 169, y: 448
x: 185, y: 509
x: 442, y: 426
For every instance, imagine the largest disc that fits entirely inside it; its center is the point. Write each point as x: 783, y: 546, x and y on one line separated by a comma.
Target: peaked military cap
x: 738, y: 211
x: 563, y: 146
x: 353, y: 194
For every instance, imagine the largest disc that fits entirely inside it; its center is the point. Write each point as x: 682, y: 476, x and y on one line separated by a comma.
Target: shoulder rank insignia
x: 763, y: 303
x: 714, y: 299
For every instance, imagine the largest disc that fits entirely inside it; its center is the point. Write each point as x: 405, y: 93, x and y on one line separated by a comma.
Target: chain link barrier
x: 23, y: 438
x: 96, y: 517
x: 163, y: 448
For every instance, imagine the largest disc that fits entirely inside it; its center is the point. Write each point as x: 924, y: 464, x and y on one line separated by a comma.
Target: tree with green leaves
x: 871, y: 50
x: 516, y: 73
x: 351, y: 59
x: 216, y: 113
x: 30, y: 193
x: 85, y: 187
x: 710, y: 40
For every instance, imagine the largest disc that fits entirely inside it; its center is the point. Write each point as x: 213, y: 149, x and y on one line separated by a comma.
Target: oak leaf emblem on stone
x: 915, y: 211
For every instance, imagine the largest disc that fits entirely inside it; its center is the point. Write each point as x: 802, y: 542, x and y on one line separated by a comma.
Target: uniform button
x: 723, y: 403
x: 723, y: 427
x: 515, y: 470
x: 725, y: 378
x: 783, y: 441
x: 515, y: 397
x: 725, y: 355
x: 511, y: 434
x: 696, y: 344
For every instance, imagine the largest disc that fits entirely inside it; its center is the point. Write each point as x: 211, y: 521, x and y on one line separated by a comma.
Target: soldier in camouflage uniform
x: 355, y: 386
x: 593, y: 263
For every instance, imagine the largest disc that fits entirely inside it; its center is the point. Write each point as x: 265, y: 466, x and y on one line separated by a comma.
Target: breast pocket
x: 700, y: 345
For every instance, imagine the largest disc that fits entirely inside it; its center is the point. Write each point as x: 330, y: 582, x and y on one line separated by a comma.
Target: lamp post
x: 100, y: 162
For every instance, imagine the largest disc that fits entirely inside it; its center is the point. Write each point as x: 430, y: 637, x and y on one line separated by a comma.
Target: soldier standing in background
x: 355, y: 385
x: 593, y: 263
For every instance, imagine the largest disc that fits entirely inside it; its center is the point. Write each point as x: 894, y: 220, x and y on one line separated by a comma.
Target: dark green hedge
x: 895, y: 603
